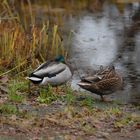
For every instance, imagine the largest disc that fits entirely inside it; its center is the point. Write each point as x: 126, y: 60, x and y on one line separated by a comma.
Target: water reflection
x: 110, y: 37
x: 98, y: 40
x: 105, y: 32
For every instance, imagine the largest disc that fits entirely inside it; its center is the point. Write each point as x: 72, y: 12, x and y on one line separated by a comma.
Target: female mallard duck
x: 54, y: 72
x: 105, y: 82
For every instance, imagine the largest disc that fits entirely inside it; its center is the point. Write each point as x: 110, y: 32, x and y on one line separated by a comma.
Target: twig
x: 24, y: 71
x: 13, y: 68
x: 8, y: 18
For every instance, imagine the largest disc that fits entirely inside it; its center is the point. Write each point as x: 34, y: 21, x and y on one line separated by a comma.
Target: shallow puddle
x: 105, y: 38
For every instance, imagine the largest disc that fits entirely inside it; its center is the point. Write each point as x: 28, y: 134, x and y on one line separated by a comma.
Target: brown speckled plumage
x: 104, y: 82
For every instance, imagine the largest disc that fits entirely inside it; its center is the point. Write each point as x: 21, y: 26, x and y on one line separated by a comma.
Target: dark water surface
x: 108, y: 37
x: 104, y: 32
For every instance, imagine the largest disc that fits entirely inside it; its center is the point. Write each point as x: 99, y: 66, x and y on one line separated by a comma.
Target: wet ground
x: 103, y: 36
x: 108, y: 37
x: 103, y: 32
x: 60, y: 121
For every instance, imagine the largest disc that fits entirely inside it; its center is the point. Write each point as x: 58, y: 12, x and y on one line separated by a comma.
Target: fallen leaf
x: 137, y: 126
x: 4, y: 79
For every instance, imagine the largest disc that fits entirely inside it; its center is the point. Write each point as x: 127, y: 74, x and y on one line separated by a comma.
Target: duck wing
x: 49, y: 69
x: 91, y: 79
x: 100, y: 75
x: 44, y: 65
x: 108, y: 85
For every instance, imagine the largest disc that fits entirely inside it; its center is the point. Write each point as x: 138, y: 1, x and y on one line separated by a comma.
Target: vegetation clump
x: 25, y: 42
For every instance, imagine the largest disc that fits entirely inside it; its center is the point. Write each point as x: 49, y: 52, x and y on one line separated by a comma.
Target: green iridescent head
x: 60, y: 58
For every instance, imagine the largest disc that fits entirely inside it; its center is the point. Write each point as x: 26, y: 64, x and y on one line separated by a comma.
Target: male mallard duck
x: 54, y: 72
x: 105, y: 82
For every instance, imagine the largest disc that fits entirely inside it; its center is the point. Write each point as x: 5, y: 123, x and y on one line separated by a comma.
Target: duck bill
x: 83, y: 84
x: 27, y: 78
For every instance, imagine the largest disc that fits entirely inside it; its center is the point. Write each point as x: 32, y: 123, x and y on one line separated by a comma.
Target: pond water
x: 108, y: 37
x: 104, y: 32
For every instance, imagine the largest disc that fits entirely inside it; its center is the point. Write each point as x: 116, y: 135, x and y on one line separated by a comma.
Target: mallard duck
x: 104, y: 82
x: 54, y: 72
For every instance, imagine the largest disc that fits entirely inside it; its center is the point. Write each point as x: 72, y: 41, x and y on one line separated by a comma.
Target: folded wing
x: 49, y: 69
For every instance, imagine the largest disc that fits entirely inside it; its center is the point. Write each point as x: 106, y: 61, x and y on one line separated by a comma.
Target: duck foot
x: 103, y: 99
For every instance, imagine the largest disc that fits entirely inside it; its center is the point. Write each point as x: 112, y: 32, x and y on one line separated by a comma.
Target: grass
x: 114, y: 111
x: 123, y: 122
x: 8, y: 109
x: 18, y: 52
x: 47, y: 95
x: 25, y: 41
x: 82, y: 116
x: 126, y: 120
x: 88, y: 101
x: 15, y: 90
x: 22, y: 47
x: 69, y: 97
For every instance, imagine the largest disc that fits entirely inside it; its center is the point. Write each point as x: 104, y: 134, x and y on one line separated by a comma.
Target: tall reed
x: 23, y: 45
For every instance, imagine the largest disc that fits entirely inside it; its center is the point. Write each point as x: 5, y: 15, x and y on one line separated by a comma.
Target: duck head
x: 112, y: 67
x: 60, y: 58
